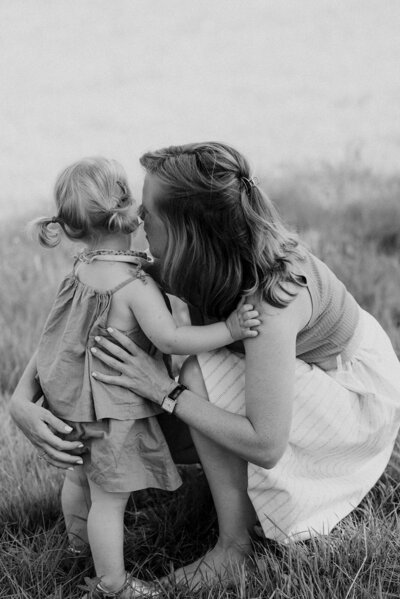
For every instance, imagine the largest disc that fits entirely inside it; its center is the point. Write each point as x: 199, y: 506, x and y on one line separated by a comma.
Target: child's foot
x: 133, y: 588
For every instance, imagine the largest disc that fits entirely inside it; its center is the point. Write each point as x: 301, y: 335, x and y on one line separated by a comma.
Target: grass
x: 356, y: 230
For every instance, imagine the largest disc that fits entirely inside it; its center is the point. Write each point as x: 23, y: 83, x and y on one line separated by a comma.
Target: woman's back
x: 335, y: 313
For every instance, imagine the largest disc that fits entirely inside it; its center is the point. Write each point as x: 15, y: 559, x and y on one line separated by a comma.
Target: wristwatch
x: 169, y: 401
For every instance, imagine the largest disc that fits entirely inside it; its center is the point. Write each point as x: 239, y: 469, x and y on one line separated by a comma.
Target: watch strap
x: 170, y: 399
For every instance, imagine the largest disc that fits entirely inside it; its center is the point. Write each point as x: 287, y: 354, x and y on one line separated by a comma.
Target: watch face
x: 168, y: 404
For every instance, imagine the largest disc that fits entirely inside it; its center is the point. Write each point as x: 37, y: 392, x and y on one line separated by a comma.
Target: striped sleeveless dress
x: 346, y: 413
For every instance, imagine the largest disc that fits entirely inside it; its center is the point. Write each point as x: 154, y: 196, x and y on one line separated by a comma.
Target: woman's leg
x: 227, y: 477
x: 75, y: 502
x: 106, y: 535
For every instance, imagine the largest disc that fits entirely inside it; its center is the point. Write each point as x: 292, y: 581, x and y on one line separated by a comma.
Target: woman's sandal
x: 133, y: 588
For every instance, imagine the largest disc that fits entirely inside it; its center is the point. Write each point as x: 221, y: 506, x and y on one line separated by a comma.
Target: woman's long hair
x: 225, y: 239
x: 92, y: 197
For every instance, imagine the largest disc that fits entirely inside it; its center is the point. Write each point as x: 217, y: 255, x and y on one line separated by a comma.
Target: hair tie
x: 54, y: 219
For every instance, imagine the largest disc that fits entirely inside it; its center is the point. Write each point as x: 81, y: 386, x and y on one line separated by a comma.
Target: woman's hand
x: 140, y: 372
x: 41, y: 427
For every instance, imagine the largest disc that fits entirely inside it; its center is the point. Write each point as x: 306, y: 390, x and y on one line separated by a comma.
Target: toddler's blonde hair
x: 92, y: 197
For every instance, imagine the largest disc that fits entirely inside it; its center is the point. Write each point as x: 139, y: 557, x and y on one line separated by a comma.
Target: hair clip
x: 122, y: 187
x: 249, y: 183
x: 125, y: 197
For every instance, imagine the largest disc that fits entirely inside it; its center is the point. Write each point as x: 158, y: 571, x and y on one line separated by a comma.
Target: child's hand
x: 241, y: 321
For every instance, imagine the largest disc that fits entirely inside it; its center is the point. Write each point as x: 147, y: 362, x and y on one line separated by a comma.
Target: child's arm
x: 150, y: 311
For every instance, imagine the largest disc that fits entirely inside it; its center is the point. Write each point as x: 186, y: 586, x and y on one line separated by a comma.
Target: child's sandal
x: 72, y: 551
x: 133, y: 588
x: 72, y: 556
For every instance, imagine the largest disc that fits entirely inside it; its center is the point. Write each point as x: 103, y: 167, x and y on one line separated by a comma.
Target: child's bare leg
x: 106, y: 535
x: 75, y: 501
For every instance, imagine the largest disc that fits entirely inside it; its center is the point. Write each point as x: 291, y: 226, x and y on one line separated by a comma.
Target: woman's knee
x: 192, y: 377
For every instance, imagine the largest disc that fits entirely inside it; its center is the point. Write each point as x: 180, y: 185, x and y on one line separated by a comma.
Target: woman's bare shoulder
x: 298, y: 311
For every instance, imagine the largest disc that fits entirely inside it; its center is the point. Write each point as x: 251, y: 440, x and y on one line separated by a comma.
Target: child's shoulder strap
x: 138, y: 274
x: 133, y: 257
x: 76, y: 264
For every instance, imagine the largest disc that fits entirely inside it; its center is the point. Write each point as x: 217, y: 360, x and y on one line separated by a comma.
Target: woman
x: 294, y: 432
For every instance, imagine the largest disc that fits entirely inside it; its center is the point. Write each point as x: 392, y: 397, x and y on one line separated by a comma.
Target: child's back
x: 92, y: 297
x: 107, y: 275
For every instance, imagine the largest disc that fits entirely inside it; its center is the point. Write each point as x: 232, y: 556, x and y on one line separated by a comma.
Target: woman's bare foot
x: 220, y: 564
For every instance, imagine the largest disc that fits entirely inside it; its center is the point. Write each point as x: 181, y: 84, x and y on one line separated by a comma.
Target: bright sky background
x: 291, y: 82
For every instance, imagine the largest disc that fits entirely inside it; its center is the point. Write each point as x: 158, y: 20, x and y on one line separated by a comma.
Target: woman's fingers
x: 54, y: 449
x: 56, y: 444
x: 57, y: 463
x: 57, y: 451
x: 120, y: 380
x: 42, y: 429
x: 60, y: 459
x: 117, y: 365
x: 120, y: 360
x: 55, y: 423
x: 127, y: 344
x: 139, y: 372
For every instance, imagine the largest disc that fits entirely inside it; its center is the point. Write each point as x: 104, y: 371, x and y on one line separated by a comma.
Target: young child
x: 108, y: 287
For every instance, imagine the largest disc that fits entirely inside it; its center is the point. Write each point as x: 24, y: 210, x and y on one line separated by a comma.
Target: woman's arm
x: 149, y: 309
x: 38, y: 424
x: 261, y: 435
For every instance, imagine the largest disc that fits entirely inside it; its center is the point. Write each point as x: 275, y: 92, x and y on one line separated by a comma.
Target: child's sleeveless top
x: 335, y: 313
x: 65, y: 362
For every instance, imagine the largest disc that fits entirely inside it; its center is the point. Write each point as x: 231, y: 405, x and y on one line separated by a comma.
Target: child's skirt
x: 126, y: 455
x: 345, y: 423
